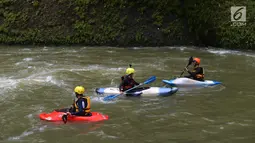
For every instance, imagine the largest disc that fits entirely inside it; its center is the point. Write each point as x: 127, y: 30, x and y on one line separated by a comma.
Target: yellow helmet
x: 79, y: 89
x: 129, y: 71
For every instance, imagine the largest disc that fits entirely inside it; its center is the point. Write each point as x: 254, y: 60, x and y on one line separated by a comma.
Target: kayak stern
x: 167, y: 91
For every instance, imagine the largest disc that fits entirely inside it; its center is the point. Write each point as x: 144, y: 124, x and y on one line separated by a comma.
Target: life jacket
x: 87, y: 108
x: 130, y: 82
x: 200, y: 75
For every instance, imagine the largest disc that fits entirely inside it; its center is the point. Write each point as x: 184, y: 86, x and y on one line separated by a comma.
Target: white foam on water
x: 18, y: 63
x: 45, y: 48
x: 233, y: 52
x: 101, y: 100
x: 210, y: 132
x: 139, y: 111
x: 25, y: 49
x: 24, y: 61
x: 136, y: 48
x: 207, y: 119
x: 218, y: 51
x: 45, y: 76
x: 24, y: 134
x: 33, y: 122
x: 28, y: 132
x: 180, y: 48
x: 113, y: 83
x: 103, y: 135
x: 108, y: 51
x: 6, y: 83
x: 30, y: 116
x: 9, y: 84
x: 241, y: 124
x: 94, y: 67
x: 27, y: 59
x: 186, y: 113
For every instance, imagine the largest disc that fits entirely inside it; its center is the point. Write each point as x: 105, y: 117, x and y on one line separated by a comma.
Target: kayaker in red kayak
x: 81, y: 107
x: 198, y: 72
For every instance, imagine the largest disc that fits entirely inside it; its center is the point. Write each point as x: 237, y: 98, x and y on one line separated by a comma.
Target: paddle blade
x: 190, y: 60
x: 109, y: 97
x: 150, y: 80
x: 64, y: 118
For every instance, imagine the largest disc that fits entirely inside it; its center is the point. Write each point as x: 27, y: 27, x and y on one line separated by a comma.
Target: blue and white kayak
x: 187, y: 82
x: 150, y: 91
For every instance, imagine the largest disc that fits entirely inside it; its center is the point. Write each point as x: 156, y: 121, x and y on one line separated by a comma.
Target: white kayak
x: 187, y: 82
x: 156, y: 91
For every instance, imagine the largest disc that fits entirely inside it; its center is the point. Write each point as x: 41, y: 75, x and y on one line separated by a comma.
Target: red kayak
x: 57, y: 116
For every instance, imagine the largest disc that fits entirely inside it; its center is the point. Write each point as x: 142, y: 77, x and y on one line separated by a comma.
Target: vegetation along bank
x: 127, y: 23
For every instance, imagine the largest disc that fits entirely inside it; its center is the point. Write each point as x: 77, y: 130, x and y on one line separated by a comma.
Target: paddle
x: 150, y: 80
x: 64, y: 118
x: 65, y: 115
x: 190, y: 61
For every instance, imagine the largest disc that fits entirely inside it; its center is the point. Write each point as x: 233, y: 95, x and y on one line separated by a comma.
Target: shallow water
x: 41, y: 79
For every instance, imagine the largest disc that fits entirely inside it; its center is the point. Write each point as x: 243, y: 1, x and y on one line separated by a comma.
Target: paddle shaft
x: 137, y: 86
x: 64, y: 118
x: 190, y: 61
x: 129, y: 89
x: 151, y: 79
x: 184, y: 70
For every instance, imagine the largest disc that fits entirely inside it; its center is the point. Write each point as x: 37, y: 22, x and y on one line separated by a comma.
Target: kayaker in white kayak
x: 127, y: 81
x: 197, y: 73
x: 80, y: 107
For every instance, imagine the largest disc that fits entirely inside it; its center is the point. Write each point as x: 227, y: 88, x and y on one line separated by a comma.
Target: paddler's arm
x: 121, y: 86
x: 187, y: 76
x: 193, y: 74
x: 136, y: 83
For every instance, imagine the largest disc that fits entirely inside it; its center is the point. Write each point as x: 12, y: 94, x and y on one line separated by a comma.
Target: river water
x: 41, y: 79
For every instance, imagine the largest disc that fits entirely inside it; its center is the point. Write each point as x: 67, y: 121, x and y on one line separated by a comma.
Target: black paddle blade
x: 190, y: 60
x: 64, y: 118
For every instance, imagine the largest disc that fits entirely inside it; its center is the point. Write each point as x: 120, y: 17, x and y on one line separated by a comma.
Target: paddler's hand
x: 68, y: 113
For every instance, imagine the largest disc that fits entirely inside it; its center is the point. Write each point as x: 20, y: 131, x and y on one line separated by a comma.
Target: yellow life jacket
x: 86, y: 100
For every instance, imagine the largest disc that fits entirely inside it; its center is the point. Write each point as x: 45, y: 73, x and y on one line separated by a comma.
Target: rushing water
x: 35, y: 80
